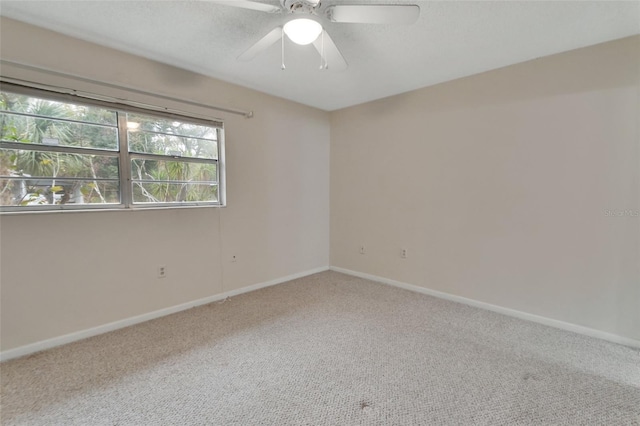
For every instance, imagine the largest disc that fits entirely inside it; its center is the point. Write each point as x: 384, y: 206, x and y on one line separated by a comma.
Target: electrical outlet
x: 363, y: 250
x: 234, y: 258
x: 162, y: 271
x: 403, y: 253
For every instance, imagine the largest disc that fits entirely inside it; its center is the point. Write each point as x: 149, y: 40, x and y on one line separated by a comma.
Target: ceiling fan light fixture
x: 302, y: 31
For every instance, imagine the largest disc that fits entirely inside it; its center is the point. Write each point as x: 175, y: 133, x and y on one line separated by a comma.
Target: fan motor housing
x: 300, y: 6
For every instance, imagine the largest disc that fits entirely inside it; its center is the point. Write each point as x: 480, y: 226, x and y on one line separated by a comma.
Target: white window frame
x: 124, y: 155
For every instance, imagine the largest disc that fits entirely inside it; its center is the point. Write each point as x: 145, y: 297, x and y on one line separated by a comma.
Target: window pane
x: 18, y: 128
x: 171, y: 127
x: 35, y: 106
x: 33, y: 192
x: 144, y: 169
x: 27, y: 163
x: 175, y: 146
x: 165, y: 137
x: 185, y: 192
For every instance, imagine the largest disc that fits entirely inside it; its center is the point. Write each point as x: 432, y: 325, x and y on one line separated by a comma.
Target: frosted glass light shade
x: 302, y: 31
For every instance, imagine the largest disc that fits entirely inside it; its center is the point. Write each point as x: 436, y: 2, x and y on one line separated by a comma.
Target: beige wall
x: 62, y: 273
x: 497, y: 185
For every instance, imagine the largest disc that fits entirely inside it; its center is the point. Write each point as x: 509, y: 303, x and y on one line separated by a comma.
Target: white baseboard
x: 83, y: 334
x: 499, y: 309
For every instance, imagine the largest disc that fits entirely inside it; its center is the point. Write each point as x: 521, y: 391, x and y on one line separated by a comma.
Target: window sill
x: 114, y: 209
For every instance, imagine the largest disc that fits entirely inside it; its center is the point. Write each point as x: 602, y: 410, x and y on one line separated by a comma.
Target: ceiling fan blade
x: 265, y: 42
x: 374, y: 14
x: 246, y: 4
x: 333, y: 58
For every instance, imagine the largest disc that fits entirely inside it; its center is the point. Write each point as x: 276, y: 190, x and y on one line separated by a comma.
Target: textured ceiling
x: 451, y: 39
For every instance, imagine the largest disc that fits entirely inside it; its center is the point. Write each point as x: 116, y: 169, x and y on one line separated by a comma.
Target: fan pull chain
x: 282, y: 38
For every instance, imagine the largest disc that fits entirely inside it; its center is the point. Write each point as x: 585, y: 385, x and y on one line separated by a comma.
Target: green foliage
x: 29, y: 121
x: 48, y: 177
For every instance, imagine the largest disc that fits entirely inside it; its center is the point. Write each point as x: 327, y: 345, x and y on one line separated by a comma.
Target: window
x: 172, y: 161
x: 56, y: 154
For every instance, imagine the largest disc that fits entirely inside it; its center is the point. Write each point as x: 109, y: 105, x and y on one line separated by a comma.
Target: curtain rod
x: 246, y: 114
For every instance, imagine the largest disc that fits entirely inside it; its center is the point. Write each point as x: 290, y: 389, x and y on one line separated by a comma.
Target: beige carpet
x: 328, y: 349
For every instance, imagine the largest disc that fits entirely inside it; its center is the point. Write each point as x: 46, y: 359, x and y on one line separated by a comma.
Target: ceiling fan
x: 304, y: 25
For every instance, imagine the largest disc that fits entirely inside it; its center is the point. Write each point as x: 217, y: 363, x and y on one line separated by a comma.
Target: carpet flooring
x: 328, y: 349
